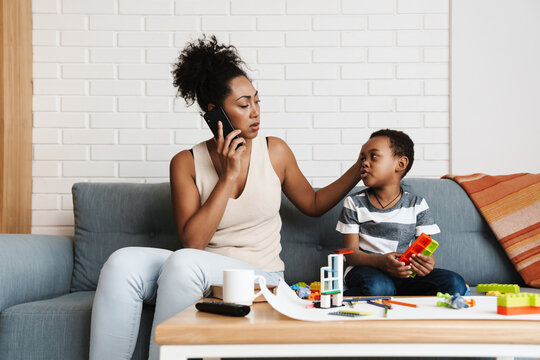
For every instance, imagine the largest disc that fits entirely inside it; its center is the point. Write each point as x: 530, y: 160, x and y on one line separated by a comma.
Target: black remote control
x: 218, y: 307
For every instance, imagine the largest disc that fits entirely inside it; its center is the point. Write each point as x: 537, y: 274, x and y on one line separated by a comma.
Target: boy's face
x: 380, y: 167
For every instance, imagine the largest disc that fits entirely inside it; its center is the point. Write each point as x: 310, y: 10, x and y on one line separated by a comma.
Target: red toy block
x: 423, y: 244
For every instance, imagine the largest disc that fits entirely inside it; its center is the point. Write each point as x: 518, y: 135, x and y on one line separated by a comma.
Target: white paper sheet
x: 289, y: 304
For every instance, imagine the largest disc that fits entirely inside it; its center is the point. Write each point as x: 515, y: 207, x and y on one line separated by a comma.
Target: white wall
x: 330, y: 72
x: 495, y: 81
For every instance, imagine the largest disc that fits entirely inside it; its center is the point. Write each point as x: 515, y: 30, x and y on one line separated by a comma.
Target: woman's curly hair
x: 203, y: 71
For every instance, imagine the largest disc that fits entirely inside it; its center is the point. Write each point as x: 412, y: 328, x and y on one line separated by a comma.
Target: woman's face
x: 242, y: 107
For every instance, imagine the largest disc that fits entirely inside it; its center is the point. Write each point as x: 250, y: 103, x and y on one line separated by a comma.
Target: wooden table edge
x: 190, y: 327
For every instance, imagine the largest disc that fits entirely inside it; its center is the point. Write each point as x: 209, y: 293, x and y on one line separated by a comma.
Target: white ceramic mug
x: 239, y: 286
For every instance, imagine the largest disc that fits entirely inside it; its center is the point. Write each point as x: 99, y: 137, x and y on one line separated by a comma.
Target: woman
x: 226, y: 196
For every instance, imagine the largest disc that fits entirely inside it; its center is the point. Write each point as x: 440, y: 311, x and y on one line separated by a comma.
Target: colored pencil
x: 368, y: 298
x: 377, y: 304
x: 386, y: 311
x: 401, y: 303
x: 351, y: 312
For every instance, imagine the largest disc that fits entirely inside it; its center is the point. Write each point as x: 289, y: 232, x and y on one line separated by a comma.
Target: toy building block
x: 424, y: 245
x: 301, y: 289
x: 518, y: 304
x: 332, y: 280
x: 502, y: 288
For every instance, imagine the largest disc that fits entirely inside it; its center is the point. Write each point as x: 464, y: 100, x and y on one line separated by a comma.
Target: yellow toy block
x: 316, y: 285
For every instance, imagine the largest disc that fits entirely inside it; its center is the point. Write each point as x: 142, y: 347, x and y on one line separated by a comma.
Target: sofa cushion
x: 109, y: 216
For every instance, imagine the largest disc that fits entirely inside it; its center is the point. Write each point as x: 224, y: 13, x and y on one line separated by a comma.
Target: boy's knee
x: 453, y: 284
x: 371, y: 286
x: 379, y: 287
x: 456, y: 284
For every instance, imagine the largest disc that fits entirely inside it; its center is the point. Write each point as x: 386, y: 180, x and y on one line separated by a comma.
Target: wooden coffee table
x: 267, y: 333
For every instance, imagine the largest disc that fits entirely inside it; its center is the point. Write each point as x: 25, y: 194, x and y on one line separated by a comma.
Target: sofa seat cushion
x: 58, y: 327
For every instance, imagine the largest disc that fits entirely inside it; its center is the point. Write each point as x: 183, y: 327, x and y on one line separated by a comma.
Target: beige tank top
x: 250, y: 228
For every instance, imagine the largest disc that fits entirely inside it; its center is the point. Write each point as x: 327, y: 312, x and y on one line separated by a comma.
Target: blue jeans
x: 136, y: 275
x: 369, y: 281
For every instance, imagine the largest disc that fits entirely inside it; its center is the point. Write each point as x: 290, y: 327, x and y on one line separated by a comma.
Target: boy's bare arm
x: 358, y: 257
x: 387, y: 262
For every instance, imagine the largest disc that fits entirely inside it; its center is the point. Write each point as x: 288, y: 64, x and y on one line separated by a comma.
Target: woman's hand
x: 389, y: 264
x: 229, y: 152
x: 422, y: 264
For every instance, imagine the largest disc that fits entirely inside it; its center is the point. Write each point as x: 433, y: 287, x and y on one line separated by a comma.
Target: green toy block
x: 431, y: 247
x: 521, y: 299
x: 502, y: 288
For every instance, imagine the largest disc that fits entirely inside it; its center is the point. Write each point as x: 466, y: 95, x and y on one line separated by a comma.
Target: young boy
x: 380, y: 222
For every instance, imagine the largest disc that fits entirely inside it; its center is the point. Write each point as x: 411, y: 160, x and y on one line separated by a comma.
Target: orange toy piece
x: 423, y: 244
x: 343, y: 251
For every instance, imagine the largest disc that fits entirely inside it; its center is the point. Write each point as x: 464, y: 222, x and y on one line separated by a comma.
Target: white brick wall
x: 329, y: 72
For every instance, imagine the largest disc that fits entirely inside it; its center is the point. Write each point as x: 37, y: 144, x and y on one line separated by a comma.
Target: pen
x: 401, y: 303
x: 368, y: 298
x: 377, y: 304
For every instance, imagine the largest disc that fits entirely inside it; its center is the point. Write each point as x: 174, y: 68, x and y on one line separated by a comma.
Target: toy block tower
x: 332, y: 279
x: 424, y: 245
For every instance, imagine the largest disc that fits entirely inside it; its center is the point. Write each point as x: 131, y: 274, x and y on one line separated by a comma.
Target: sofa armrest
x: 34, y: 267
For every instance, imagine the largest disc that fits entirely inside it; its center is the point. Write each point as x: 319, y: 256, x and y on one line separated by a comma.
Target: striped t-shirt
x: 386, y: 230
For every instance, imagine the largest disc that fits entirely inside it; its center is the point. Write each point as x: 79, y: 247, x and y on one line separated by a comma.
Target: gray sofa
x: 47, y: 282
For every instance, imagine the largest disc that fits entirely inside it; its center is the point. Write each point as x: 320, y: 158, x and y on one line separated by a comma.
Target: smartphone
x: 218, y: 114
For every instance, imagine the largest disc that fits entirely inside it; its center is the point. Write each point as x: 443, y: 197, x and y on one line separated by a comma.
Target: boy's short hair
x: 401, y: 144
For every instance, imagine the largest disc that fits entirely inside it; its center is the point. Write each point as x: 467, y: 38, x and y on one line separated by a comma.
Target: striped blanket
x: 511, y: 206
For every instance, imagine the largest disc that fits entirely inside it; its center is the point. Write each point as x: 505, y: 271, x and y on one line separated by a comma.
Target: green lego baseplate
x: 502, y: 288
x: 521, y: 299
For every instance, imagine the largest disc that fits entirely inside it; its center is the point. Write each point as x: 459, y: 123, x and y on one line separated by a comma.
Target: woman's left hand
x: 422, y: 264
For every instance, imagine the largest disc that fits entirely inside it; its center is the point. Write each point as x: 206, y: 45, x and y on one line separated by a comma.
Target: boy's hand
x: 389, y: 264
x: 422, y: 264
